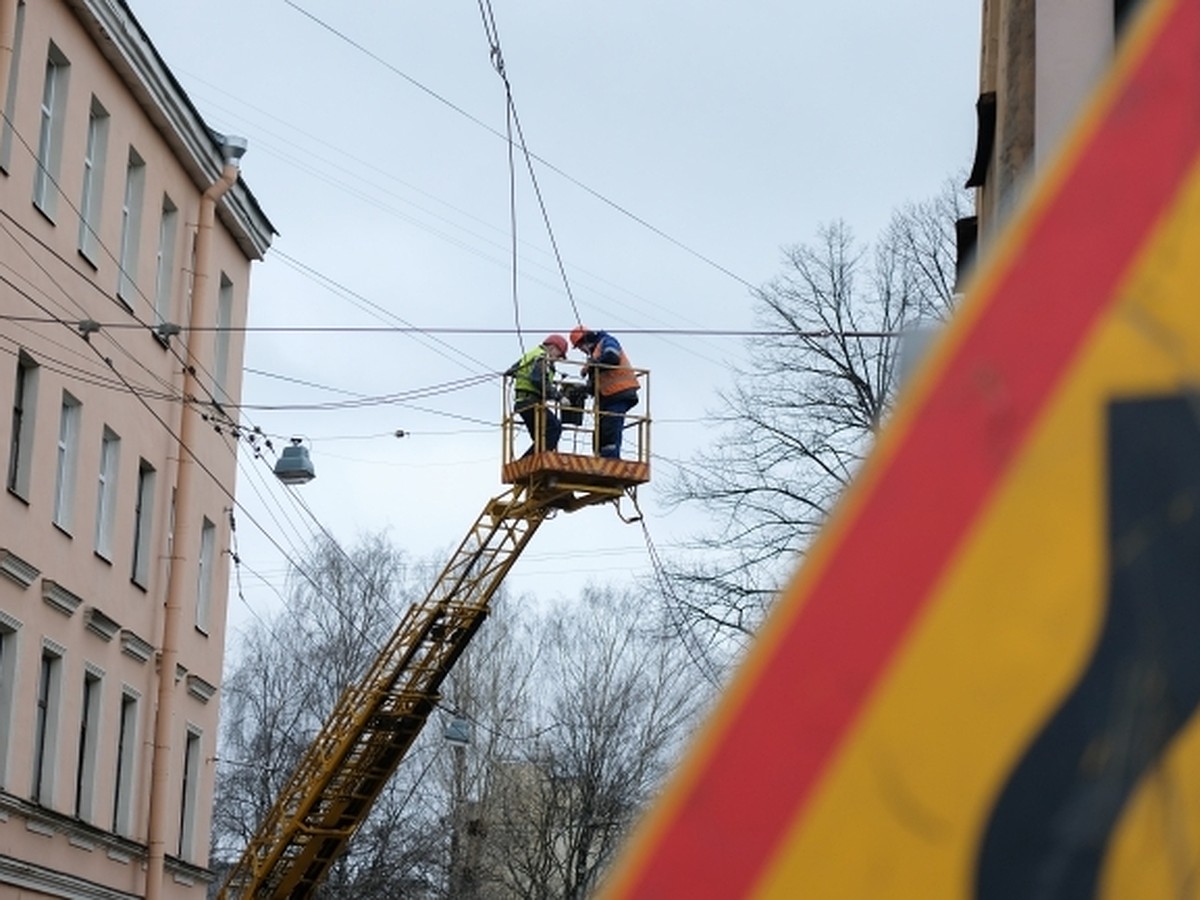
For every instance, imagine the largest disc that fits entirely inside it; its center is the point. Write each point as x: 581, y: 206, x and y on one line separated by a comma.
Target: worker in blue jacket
x: 612, y: 381
x: 533, y: 389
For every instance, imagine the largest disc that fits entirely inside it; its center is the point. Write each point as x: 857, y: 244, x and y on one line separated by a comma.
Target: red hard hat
x: 556, y: 340
x: 578, y: 333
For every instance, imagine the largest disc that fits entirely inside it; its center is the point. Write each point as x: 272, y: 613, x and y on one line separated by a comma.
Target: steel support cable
x: 128, y: 386
x: 381, y: 312
x: 799, y: 334
x: 513, y: 120
x: 125, y: 383
x: 80, y: 375
x: 497, y: 58
x: 372, y: 198
x: 99, y: 243
x: 171, y: 348
x: 553, y: 168
x: 165, y: 384
x: 696, y: 653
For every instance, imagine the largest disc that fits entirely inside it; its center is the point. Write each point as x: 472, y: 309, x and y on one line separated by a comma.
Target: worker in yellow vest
x: 533, y: 389
x: 612, y: 381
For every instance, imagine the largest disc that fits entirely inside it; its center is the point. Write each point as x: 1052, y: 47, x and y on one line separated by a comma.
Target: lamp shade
x: 294, y: 465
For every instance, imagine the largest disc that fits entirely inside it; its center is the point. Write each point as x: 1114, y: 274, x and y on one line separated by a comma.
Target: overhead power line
x: 553, y: 168
x: 816, y: 333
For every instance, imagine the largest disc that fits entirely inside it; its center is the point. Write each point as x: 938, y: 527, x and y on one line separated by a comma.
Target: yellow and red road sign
x: 984, y: 680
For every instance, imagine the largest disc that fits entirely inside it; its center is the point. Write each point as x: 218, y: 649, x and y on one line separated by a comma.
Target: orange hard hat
x: 557, y: 341
x: 578, y: 333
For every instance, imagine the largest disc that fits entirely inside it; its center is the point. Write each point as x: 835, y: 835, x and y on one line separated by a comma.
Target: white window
x: 106, y: 491
x: 50, y: 132
x: 208, y: 537
x: 221, y: 348
x: 10, y: 101
x: 164, y: 263
x: 93, y: 181
x: 68, y: 451
x: 89, y: 728
x: 143, y: 517
x: 127, y: 736
x: 45, y: 726
x: 8, y: 669
x: 189, y: 793
x: 170, y: 537
x: 131, y: 227
x: 20, y: 450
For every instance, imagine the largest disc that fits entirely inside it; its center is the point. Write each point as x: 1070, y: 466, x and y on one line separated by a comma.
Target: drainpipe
x: 186, y: 540
x: 8, y: 38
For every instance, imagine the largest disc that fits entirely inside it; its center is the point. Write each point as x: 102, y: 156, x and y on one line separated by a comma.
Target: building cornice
x: 84, y: 838
x: 129, y: 50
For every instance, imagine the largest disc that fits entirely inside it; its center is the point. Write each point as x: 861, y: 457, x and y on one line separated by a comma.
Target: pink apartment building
x: 126, y: 241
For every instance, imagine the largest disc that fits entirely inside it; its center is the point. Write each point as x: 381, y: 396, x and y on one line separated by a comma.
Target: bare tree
x: 610, y: 702
x: 572, y: 718
x: 288, y: 674
x: 796, y: 423
x: 486, y: 714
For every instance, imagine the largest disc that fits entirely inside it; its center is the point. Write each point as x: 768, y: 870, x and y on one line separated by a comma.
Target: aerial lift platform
x: 377, y: 719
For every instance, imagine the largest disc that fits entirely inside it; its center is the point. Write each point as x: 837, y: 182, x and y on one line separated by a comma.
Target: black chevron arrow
x: 1050, y: 827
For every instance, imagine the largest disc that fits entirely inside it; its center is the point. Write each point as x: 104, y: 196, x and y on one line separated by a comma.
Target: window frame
x: 222, y: 339
x: 204, y: 573
x: 143, y: 524
x: 125, y: 763
x: 47, y: 708
x: 106, y: 492
x: 50, y: 131
x: 91, y: 199
x: 189, y: 792
x: 132, y: 201
x: 90, y: 706
x: 10, y: 99
x: 9, y: 647
x: 66, y: 462
x: 24, y: 417
x: 164, y: 261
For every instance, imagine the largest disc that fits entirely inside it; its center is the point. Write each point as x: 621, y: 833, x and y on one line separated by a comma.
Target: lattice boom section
x: 377, y: 720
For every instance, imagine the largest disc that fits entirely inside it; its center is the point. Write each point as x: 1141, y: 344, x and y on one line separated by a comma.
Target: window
x: 85, y: 765
x: 8, y: 667
x: 10, y: 101
x: 208, y: 534
x: 221, y: 348
x: 143, y: 515
x: 126, y: 751
x: 20, y: 451
x: 131, y: 227
x: 171, y: 536
x: 50, y: 132
x: 189, y: 791
x: 106, y: 492
x: 164, y: 263
x: 68, y: 450
x: 45, y: 726
x: 93, y: 181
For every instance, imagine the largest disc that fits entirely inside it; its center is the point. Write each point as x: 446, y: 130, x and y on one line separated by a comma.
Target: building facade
x: 1039, y: 62
x: 126, y: 243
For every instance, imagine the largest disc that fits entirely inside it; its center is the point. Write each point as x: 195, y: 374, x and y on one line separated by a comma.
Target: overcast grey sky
x: 730, y: 129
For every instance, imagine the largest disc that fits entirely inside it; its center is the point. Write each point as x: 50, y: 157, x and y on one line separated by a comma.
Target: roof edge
x: 127, y: 47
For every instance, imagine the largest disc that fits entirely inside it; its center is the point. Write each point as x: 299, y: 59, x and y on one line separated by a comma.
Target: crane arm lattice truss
x: 376, y: 721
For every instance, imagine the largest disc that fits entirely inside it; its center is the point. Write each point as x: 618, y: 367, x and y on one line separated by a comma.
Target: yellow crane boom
x: 377, y: 719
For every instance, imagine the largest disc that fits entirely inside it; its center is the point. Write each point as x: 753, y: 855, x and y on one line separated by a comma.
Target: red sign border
x: 831, y: 639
